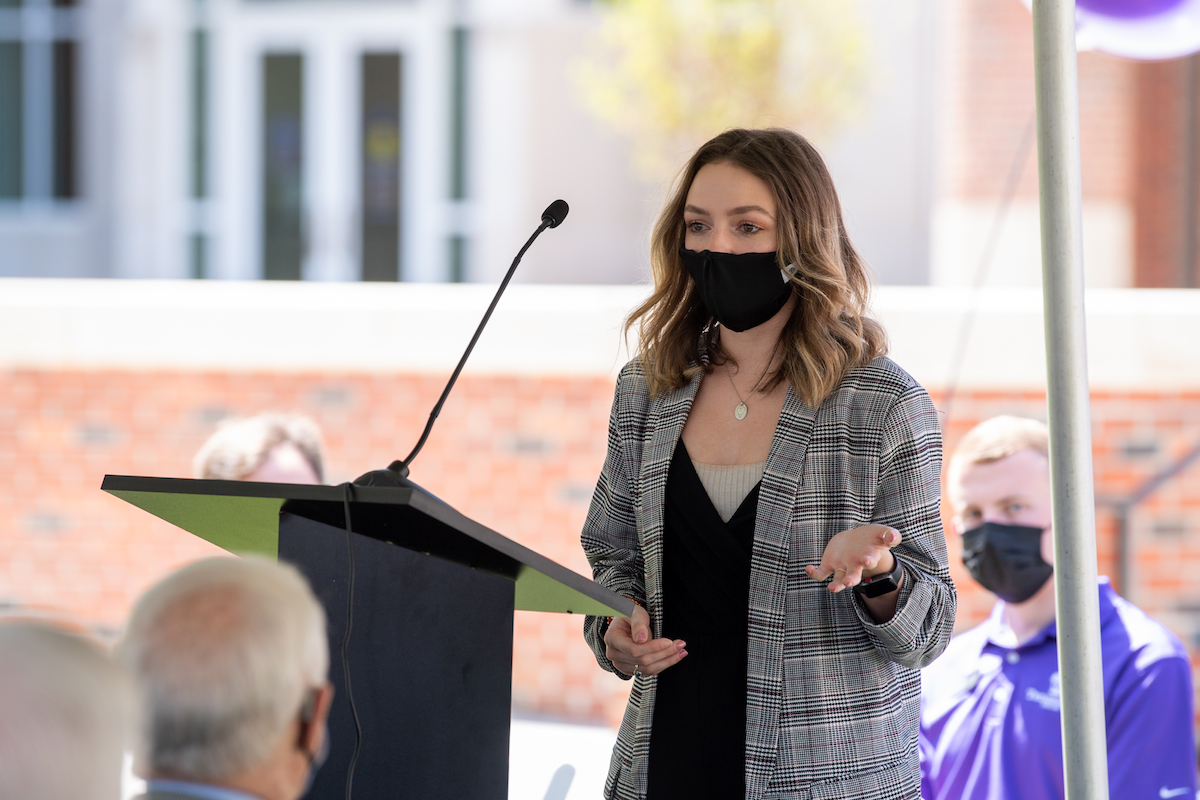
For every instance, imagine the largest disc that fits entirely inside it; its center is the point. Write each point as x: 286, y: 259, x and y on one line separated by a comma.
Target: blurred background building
x: 417, y: 142
x: 389, y: 139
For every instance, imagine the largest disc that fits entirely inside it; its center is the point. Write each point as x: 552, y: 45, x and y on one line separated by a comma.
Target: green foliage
x: 670, y: 74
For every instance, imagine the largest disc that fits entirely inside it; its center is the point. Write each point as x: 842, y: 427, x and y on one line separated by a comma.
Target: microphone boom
x: 397, y: 471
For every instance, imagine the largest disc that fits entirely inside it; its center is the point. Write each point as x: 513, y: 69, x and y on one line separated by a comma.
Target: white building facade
x: 416, y: 140
x: 314, y: 139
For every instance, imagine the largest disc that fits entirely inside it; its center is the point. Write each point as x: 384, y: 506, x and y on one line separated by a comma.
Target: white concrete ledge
x: 1139, y: 339
x: 375, y: 327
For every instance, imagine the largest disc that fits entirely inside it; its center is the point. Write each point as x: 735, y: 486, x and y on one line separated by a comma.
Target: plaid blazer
x: 832, y: 698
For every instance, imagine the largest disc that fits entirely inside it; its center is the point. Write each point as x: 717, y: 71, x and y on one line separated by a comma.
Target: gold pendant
x: 740, y: 412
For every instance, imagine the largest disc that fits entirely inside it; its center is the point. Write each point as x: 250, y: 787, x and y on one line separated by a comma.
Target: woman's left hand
x: 854, y: 554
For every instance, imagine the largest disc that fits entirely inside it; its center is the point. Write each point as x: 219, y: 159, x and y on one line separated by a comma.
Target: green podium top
x: 243, y: 517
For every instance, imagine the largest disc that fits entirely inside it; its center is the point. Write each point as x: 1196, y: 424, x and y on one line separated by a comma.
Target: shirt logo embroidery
x: 1051, y: 699
x: 1166, y: 793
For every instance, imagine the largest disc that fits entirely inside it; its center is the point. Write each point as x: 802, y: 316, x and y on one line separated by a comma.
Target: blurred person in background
x: 271, y: 447
x: 764, y: 457
x: 66, y: 716
x: 230, y: 658
x: 990, y: 721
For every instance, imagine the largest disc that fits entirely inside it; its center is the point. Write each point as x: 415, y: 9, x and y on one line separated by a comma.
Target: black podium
x: 430, y: 652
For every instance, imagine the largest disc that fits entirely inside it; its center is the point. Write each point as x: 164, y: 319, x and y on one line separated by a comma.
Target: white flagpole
x: 1079, y: 665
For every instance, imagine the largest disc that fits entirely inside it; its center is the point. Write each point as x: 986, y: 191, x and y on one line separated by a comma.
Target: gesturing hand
x: 851, y: 555
x: 630, y: 649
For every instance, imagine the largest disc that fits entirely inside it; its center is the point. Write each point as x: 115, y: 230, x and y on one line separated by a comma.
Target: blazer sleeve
x: 909, y: 500
x: 610, y: 536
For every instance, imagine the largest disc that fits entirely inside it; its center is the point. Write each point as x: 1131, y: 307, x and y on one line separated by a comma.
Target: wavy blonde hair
x: 828, y: 333
x: 1001, y: 437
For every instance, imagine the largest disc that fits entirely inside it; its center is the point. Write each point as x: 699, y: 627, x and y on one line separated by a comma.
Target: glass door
x: 380, y: 147
x: 284, y: 153
x: 283, y: 166
x: 317, y: 113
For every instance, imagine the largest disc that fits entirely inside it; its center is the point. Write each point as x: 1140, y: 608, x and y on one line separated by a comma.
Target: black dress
x: 698, y: 737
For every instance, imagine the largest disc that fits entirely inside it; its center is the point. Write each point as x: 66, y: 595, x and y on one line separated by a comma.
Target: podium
x: 430, y: 649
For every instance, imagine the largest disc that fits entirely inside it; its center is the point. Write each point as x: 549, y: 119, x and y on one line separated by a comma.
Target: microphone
x: 397, y: 471
x: 554, y: 214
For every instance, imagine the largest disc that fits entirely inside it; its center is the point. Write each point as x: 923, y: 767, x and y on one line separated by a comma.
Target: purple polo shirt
x: 990, y: 726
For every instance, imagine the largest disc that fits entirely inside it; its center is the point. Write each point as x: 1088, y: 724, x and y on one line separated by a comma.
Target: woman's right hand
x: 628, y: 646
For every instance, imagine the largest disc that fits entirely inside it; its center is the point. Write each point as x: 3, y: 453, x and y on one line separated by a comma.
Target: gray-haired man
x: 231, y: 660
x: 65, y: 716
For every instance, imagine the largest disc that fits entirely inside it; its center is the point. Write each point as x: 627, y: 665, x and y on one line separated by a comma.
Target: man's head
x: 999, y: 483
x: 279, y: 448
x: 231, y: 659
x: 66, y: 714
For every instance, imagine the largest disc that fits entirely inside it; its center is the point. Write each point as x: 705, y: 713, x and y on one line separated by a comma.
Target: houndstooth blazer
x: 832, y: 698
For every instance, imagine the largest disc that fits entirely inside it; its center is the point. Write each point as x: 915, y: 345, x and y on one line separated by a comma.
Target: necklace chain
x: 734, y: 385
x: 741, y: 410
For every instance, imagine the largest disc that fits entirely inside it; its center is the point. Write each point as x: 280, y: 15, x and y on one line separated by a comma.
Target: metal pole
x: 1078, y: 607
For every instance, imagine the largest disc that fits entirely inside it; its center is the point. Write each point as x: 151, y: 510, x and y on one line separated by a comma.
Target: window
x: 39, y: 99
x: 459, y: 53
x: 283, y: 162
x: 198, y: 147
x: 381, y: 147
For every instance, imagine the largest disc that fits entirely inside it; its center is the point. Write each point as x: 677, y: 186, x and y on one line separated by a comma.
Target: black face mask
x: 315, y: 760
x: 741, y: 291
x: 1006, y: 560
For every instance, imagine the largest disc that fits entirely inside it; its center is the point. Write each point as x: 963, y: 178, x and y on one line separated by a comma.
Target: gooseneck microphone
x: 397, y: 471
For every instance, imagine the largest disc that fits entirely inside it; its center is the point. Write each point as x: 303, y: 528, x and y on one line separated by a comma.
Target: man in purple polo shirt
x: 990, y: 723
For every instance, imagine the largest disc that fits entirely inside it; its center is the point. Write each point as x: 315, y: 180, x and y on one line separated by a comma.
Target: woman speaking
x: 770, y: 500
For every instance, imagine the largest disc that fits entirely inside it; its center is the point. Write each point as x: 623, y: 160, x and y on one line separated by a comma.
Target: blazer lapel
x: 664, y: 425
x: 777, y: 499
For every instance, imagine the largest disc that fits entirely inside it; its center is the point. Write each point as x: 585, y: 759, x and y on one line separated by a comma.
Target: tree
x: 670, y: 74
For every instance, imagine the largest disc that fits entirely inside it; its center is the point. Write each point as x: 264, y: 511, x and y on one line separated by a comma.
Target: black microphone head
x: 555, y: 213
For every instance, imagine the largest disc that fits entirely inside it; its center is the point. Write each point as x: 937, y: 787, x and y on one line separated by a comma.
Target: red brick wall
x: 1135, y: 437
x: 991, y: 68
x: 1162, y: 229
x: 518, y: 454
x: 1132, y: 131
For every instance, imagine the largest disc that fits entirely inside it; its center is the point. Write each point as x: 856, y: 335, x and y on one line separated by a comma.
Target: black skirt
x: 698, y: 737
